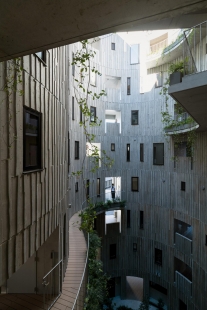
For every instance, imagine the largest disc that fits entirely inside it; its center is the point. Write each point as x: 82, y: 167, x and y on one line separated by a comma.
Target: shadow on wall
x: 134, y: 288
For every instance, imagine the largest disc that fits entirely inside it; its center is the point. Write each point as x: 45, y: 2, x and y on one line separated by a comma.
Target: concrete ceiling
x: 28, y: 26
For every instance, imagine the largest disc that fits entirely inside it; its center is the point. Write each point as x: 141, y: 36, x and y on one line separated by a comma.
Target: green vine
x: 181, y: 120
x: 13, y: 79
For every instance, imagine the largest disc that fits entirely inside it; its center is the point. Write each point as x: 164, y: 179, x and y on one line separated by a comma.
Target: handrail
x: 52, y: 269
x: 84, y: 271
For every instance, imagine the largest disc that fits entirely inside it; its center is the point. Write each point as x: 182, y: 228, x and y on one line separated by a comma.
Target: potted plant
x: 176, y: 72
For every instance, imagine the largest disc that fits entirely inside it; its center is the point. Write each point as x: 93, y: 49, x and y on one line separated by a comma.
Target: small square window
x: 31, y: 140
x: 76, y: 186
x: 182, y: 186
x: 135, y: 117
x: 113, y: 46
x: 92, y: 114
x: 134, y: 247
x: 113, y: 147
x: 76, y: 149
x: 158, y: 257
x: 112, y: 253
x: 135, y: 184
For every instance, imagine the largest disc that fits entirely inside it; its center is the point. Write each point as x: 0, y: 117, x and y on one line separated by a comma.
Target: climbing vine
x: 13, y: 79
x: 181, y: 119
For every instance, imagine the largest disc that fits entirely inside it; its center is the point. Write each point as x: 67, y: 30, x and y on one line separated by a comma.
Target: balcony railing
x: 183, y: 284
x: 81, y: 295
x: 195, y: 49
x: 52, y: 285
x: 104, y: 201
x: 183, y: 244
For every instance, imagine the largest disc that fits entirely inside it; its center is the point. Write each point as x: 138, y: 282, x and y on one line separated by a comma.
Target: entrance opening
x: 134, y: 288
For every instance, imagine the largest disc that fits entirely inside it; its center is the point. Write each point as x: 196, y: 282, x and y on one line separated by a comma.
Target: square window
x: 112, y: 253
x: 76, y: 149
x: 31, y: 140
x: 113, y: 46
x: 134, y: 247
x: 158, y: 257
x: 135, y: 117
x: 182, y: 186
x: 112, y: 147
x: 135, y: 184
x: 142, y: 152
x: 128, y: 86
x: 92, y: 114
x: 76, y: 186
x: 158, y: 153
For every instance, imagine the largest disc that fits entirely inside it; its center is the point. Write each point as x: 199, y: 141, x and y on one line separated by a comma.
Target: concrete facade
x: 34, y: 203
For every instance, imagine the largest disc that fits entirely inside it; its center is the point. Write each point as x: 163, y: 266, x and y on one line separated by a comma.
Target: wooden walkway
x: 72, y: 280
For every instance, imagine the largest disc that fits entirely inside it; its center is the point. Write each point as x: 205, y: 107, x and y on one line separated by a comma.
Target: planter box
x: 175, y: 78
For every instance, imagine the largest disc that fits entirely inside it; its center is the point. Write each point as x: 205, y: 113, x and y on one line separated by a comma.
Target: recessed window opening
x: 76, y: 149
x: 73, y: 66
x: 183, y: 229
x: 94, y: 150
x: 128, y: 152
x: 206, y: 240
x: 158, y: 153
x: 113, y: 217
x: 182, y: 186
x: 112, y: 251
x: 141, y: 219
x: 93, y: 77
x: 87, y: 188
x: 135, y: 117
x: 93, y: 114
x: 128, y: 218
x: 134, y: 247
x: 182, y: 268
x: 98, y: 187
x: 73, y: 109
x: 158, y: 256
x: 112, y: 121
x: 76, y: 186
x: 142, y: 152
x: 112, y: 147
x: 135, y: 184
x: 128, y: 86
x: 114, y: 182
x: 64, y: 235
x: 31, y: 140
x: 112, y: 46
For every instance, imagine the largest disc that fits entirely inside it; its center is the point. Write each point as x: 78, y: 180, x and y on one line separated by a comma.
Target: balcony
x: 191, y: 91
x: 182, y: 124
x: 183, y: 284
x: 183, y: 244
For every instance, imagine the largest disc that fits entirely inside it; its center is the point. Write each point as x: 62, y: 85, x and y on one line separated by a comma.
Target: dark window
x: 41, y: 55
x: 76, y: 186
x: 135, y: 117
x: 182, y: 305
x: 73, y: 109
x: 206, y: 48
x: 134, y: 54
x: 182, y: 186
x: 206, y: 240
x: 113, y: 46
x: 128, y: 86
x: 128, y: 219
x: 158, y: 257
x: 112, y: 146
x: 81, y: 113
x: 73, y: 65
x: 98, y: 187
x: 76, y: 149
x: 142, y: 152
x: 87, y: 188
x: 141, y: 219
x: 134, y: 247
x: 159, y: 80
x: 112, y: 251
x: 158, y: 287
x: 93, y: 114
x: 128, y: 152
x: 64, y: 235
x: 158, y: 153
x: 68, y: 152
x: 31, y: 140
x: 135, y: 184
x: 95, y: 224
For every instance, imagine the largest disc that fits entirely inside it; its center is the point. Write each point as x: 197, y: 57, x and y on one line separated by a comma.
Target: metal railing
x: 106, y: 198
x: 183, y: 284
x: 194, y: 51
x: 81, y: 295
x: 52, y: 285
x: 183, y: 244
x: 158, y: 47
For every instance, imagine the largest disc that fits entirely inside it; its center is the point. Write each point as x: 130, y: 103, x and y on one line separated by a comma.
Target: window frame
x: 137, y: 123
x: 141, y: 152
x: 113, y: 46
x: 154, y: 154
x: 113, y: 147
x: 182, y: 186
x: 128, y: 218
x: 73, y: 66
x: 98, y: 187
x: 73, y: 108
x: 76, y: 187
x: 128, y: 86
x: 128, y: 152
x: 158, y: 257
x: 77, y: 153
x: 112, y: 251
x: 92, y: 114
x: 137, y: 188
x: 39, y: 143
x: 141, y: 219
